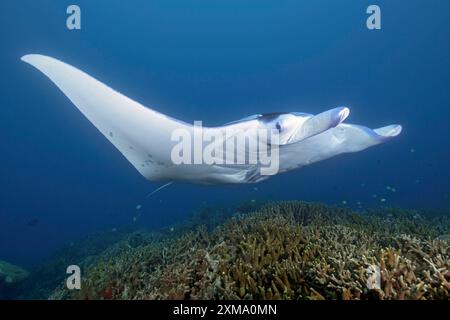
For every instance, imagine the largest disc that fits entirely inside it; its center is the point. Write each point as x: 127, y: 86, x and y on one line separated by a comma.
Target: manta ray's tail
x: 159, y: 189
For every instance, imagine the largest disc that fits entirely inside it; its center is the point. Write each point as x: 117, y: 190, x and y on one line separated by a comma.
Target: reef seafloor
x: 281, y: 250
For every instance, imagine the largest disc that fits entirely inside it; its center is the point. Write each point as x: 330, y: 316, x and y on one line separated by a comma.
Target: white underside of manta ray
x: 143, y: 135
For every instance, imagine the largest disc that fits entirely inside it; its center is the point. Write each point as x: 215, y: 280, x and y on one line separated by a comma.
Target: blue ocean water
x: 216, y: 61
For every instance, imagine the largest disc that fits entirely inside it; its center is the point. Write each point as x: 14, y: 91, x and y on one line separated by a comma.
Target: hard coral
x: 287, y: 250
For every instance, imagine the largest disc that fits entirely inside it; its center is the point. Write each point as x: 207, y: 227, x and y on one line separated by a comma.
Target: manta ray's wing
x: 142, y: 135
x: 344, y: 138
x: 245, y: 119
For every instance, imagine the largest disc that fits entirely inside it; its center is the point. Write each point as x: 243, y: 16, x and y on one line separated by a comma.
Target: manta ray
x: 145, y: 136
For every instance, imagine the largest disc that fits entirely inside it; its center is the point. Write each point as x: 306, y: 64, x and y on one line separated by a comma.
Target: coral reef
x: 284, y: 250
x: 86, y: 252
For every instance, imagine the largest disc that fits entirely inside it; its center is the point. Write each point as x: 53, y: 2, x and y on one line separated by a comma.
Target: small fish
x: 33, y: 222
x: 138, y: 207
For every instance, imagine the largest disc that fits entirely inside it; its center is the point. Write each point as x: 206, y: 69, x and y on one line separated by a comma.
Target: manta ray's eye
x: 278, y: 126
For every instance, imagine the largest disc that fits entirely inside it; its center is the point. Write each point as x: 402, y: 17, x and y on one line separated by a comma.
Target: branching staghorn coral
x: 285, y: 250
